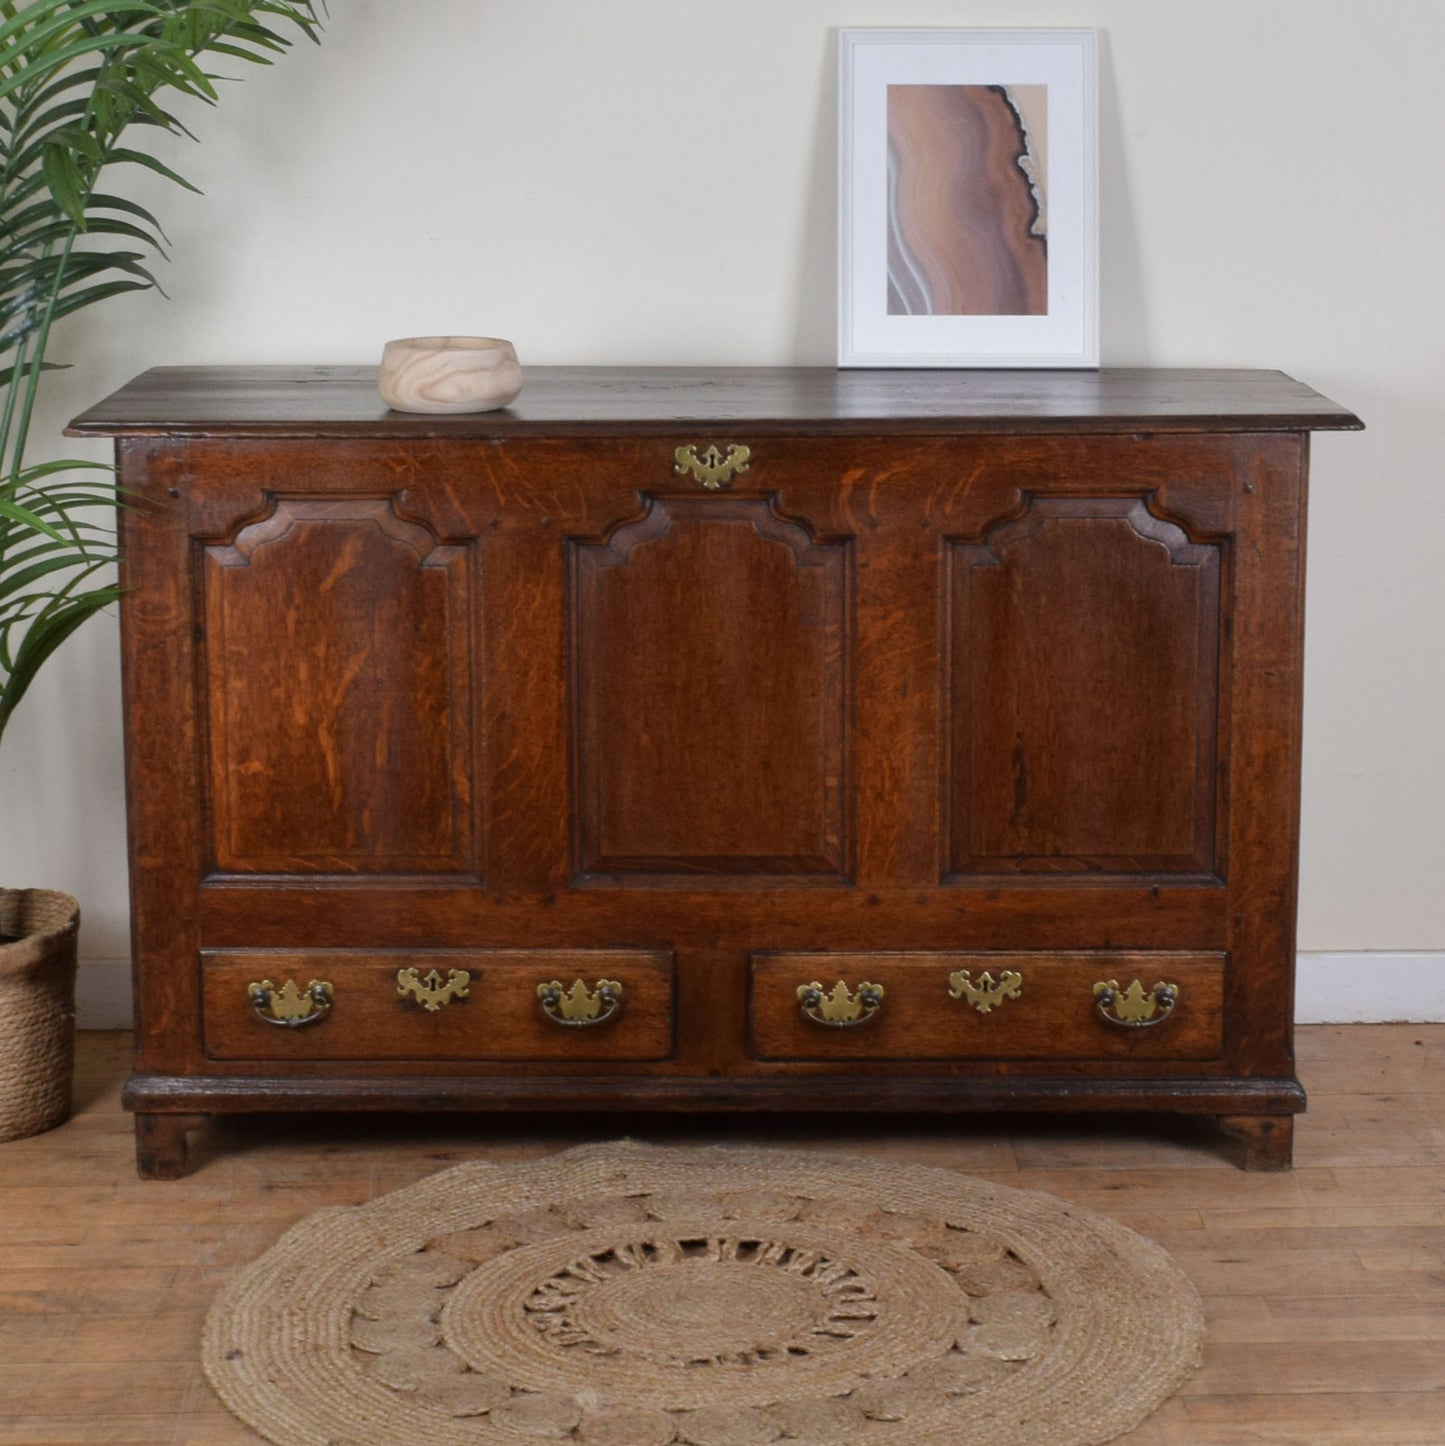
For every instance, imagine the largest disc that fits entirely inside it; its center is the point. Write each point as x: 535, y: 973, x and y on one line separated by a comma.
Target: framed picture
x: 968, y: 198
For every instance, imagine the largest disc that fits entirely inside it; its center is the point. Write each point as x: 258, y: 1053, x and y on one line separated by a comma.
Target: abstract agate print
x: 967, y: 203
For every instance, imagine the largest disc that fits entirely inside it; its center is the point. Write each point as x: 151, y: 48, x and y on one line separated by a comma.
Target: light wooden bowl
x: 449, y: 374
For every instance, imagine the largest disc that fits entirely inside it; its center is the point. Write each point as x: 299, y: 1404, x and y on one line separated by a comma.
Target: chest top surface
x: 341, y: 401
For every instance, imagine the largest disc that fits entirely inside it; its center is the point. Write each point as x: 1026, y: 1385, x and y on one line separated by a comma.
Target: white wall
x: 652, y: 181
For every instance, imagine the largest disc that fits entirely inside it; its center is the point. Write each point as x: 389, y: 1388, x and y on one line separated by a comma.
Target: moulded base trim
x: 241, y: 1094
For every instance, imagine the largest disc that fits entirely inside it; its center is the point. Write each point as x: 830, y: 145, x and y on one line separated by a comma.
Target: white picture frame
x: 963, y: 155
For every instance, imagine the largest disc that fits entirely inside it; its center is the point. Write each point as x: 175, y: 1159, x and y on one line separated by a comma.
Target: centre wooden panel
x: 338, y: 670
x: 1083, y: 693
x: 710, y: 657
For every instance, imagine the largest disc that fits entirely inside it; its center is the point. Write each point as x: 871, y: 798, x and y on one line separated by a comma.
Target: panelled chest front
x: 715, y: 739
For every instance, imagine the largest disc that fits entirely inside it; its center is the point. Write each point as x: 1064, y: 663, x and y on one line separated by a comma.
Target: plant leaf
x: 13, y: 512
x: 66, y: 183
x: 140, y: 158
x: 74, y: 76
x: 44, y: 635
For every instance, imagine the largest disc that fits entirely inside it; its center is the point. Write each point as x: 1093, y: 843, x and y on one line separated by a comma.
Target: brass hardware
x: 290, y: 1006
x: 1134, y: 1009
x: 579, y: 1006
x: 989, y: 992
x: 433, y: 991
x: 840, y: 1008
x: 711, y: 468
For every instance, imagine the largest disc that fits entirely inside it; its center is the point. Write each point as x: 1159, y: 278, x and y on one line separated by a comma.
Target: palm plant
x: 76, y: 76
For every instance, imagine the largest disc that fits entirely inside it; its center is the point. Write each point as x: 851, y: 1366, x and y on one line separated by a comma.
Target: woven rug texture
x: 632, y: 1295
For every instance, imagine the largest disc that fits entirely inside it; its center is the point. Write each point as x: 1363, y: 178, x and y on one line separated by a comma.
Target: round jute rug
x: 627, y: 1295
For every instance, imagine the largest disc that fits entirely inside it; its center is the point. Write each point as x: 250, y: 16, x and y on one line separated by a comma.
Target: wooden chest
x: 715, y: 739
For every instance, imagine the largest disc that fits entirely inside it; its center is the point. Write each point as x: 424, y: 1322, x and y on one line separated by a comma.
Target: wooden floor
x: 1325, y: 1288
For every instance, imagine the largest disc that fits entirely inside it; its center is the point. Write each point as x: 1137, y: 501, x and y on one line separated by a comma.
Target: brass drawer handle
x: 432, y: 991
x: 290, y: 1006
x: 1134, y: 1009
x: 989, y: 992
x: 840, y: 1008
x: 710, y: 467
x: 579, y: 1006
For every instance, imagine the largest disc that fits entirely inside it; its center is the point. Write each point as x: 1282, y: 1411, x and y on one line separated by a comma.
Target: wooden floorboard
x: 1324, y: 1287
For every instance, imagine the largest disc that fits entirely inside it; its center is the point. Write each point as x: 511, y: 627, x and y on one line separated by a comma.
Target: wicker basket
x: 37, y: 1009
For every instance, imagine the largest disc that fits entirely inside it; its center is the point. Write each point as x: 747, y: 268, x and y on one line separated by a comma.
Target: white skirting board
x: 1370, y: 988
x: 1330, y: 988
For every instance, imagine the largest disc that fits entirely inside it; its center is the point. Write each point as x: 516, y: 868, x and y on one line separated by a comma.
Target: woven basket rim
x: 47, y: 919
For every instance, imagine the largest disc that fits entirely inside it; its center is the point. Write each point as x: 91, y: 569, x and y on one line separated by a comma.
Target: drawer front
x: 487, y: 1004
x: 987, y: 1006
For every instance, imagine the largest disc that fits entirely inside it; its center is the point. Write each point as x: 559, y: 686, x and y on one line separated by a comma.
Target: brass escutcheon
x: 579, y: 1006
x: 989, y: 992
x: 840, y: 1007
x: 432, y: 991
x: 1134, y: 1009
x: 290, y: 1006
x: 710, y: 467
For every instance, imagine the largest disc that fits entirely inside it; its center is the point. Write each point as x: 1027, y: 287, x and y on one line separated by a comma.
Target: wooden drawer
x: 396, y: 1004
x: 1050, y: 1011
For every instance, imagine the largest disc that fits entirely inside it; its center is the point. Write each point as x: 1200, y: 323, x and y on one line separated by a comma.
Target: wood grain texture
x: 161, y: 710
x: 499, y: 1017
x: 1325, y: 1311
x: 711, y: 647
x: 867, y: 1086
x: 1085, y: 655
x: 162, y: 1149
x: 339, y: 401
x: 1264, y: 713
x: 1003, y: 668
x: 1053, y: 1015
x: 338, y: 668
x: 1268, y: 1140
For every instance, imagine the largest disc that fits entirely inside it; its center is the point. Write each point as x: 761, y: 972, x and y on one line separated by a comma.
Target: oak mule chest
x: 715, y: 739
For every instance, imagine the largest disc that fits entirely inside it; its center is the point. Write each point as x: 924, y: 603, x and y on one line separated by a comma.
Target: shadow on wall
x: 815, y: 323
x: 1123, y: 317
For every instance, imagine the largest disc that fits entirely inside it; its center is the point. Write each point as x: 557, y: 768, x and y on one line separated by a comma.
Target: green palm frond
x: 75, y: 77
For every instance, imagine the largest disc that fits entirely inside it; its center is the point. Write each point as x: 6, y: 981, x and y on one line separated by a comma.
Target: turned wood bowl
x: 449, y: 374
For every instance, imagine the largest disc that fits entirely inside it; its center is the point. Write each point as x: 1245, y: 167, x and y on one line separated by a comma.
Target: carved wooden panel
x: 1083, y: 693
x: 337, y: 668
x: 709, y: 669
